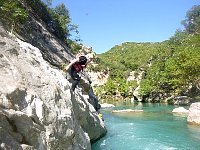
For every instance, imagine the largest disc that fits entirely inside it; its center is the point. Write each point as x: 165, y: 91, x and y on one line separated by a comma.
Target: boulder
x: 180, y: 111
x: 106, y: 105
x: 194, y: 113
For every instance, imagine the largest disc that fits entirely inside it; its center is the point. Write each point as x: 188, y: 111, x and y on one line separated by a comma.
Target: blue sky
x: 103, y: 24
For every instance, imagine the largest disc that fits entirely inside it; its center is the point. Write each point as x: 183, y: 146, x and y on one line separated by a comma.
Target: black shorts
x: 74, y: 74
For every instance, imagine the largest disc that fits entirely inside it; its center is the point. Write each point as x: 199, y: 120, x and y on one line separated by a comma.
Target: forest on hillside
x: 16, y: 14
x: 171, y: 67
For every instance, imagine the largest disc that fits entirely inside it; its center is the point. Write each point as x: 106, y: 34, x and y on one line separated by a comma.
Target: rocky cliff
x: 37, y: 108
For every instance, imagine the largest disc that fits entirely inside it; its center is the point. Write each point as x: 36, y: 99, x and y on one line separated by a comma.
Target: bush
x: 12, y: 12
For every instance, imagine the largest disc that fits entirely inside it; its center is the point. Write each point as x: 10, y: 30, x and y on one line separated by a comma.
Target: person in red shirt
x: 77, y: 65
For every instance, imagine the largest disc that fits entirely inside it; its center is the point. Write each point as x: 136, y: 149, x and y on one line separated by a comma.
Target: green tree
x: 12, y: 12
x: 110, y: 87
x: 192, y: 21
x: 184, y: 65
x: 61, y: 20
x: 49, y: 2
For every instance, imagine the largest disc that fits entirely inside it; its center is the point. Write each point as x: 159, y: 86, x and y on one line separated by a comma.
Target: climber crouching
x: 76, y: 66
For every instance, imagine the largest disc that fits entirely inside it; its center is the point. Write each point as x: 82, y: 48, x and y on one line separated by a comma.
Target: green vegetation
x: 192, y: 21
x: 170, y: 67
x: 17, y: 12
x: 12, y: 12
x: 176, y: 71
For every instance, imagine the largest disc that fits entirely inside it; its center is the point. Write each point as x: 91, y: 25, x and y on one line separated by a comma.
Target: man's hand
x: 66, y: 68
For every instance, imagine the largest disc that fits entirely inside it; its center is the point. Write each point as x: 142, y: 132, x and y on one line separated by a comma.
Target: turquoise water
x: 154, y: 129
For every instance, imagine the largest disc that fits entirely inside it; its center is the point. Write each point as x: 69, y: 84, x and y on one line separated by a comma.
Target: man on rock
x: 77, y: 65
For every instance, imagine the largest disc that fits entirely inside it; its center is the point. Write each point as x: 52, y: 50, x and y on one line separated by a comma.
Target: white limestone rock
x: 106, y: 105
x: 194, y: 113
x: 37, y: 108
x: 180, y: 110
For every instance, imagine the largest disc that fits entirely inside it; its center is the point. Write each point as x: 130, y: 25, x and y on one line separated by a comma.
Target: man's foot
x: 72, y: 89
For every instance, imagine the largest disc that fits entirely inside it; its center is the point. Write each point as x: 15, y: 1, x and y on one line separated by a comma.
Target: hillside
x: 168, y: 69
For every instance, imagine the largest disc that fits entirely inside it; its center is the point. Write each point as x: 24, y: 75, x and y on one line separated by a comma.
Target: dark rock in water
x: 182, y: 100
x: 179, y: 100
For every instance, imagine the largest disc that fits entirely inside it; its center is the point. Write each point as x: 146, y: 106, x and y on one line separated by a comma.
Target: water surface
x: 154, y: 129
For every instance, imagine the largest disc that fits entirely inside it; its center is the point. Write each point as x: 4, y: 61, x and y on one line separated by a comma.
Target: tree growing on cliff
x: 12, y: 12
x: 192, y: 21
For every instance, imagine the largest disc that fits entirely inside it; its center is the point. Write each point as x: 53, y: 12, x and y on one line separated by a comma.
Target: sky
x: 102, y: 24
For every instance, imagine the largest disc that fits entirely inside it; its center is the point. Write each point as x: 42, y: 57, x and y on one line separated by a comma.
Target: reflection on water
x: 156, y: 128
x: 117, y: 102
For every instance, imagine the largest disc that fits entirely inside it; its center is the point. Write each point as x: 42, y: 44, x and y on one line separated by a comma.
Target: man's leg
x: 74, y: 84
x: 76, y: 78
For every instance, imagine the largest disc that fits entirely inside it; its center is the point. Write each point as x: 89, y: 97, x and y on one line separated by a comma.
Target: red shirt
x: 77, y: 67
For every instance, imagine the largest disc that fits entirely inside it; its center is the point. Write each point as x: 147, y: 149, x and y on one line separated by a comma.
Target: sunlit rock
x: 194, y: 113
x: 106, y: 105
x: 180, y: 111
x: 98, y: 78
x: 37, y: 108
x: 126, y: 111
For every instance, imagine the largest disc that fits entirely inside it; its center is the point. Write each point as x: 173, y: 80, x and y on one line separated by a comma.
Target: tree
x: 12, y: 12
x: 192, y: 21
x: 62, y: 10
x: 110, y: 87
x: 49, y: 2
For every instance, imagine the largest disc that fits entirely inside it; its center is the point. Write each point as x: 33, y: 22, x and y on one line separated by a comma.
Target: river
x: 156, y: 128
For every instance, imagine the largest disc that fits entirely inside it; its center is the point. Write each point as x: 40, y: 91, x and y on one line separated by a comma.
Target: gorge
x: 38, y: 109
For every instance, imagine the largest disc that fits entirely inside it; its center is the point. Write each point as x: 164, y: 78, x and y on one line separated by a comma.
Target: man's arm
x: 89, y: 60
x: 71, y: 63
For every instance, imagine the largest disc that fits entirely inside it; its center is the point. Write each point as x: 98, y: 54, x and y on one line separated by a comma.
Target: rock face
x: 35, y: 32
x: 194, y: 113
x: 132, y: 76
x: 99, y: 78
x: 37, y: 108
x: 182, y: 100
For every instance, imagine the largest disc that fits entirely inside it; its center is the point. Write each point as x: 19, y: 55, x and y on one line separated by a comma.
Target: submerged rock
x: 126, y: 111
x: 106, y: 105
